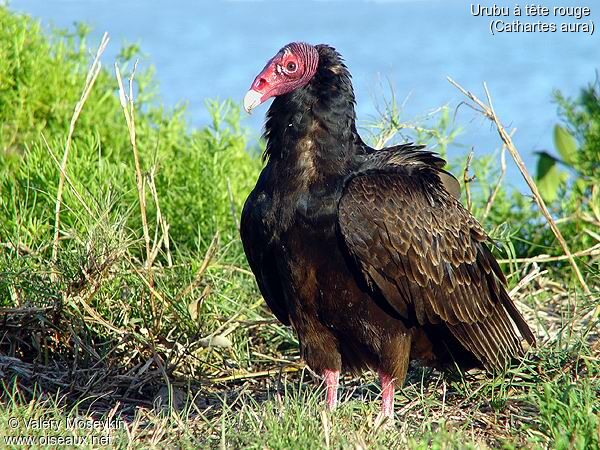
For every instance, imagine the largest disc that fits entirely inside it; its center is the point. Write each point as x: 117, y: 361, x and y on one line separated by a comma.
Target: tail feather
x: 515, y: 315
x: 494, y: 340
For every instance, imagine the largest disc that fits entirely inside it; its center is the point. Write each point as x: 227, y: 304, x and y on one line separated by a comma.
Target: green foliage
x: 578, y: 146
x: 549, y: 177
x: 201, y: 176
x: 436, y: 129
x: 196, y: 179
x: 569, y: 413
x: 439, y: 135
x: 40, y: 82
x: 565, y: 144
x: 582, y: 118
x: 551, y: 180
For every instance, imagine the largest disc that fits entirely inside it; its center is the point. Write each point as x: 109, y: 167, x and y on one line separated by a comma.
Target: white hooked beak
x: 252, y: 100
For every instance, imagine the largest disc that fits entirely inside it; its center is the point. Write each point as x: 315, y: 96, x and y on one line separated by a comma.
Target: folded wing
x: 427, y: 256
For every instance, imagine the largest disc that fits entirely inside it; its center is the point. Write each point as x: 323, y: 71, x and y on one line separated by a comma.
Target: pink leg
x: 331, y: 383
x: 387, y: 395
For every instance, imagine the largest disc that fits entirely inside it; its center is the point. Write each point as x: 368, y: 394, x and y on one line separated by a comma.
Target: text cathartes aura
x: 368, y: 254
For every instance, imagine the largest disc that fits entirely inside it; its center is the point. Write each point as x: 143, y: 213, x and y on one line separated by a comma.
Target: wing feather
x: 427, y: 256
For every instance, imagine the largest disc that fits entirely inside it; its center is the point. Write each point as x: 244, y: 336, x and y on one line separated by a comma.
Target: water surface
x: 214, y: 49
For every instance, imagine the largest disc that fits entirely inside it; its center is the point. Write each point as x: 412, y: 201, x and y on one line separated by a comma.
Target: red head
x: 292, y: 67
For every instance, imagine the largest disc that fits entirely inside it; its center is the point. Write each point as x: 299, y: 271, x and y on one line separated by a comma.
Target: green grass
x: 101, y: 333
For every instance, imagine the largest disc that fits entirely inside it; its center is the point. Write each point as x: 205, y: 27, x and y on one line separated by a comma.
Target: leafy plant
x: 549, y: 177
x: 577, y: 143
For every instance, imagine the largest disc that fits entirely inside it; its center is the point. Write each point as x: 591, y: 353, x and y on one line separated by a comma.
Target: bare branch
x: 494, y: 193
x: 592, y: 251
x: 488, y: 111
x: 467, y: 179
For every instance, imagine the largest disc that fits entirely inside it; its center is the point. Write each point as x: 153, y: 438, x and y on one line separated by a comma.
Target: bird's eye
x: 291, y: 66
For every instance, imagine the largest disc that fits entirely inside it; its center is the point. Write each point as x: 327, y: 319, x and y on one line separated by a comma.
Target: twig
x: 208, y: 256
x: 532, y: 275
x: 234, y: 319
x: 234, y: 269
x: 160, y: 220
x: 488, y: 111
x: 19, y: 248
x: 249, y: 323
x: 129, y: 112
x: 128, y: 107
x: 492, y: 197
x: 66, y: 177
x: 262, y: 373
x: 592, y: 234
x: 92, y: 75
x: 26, y: 310
x: 151, y: 288
x: 592, y: 251
x: 273, y: 359
x: 468, y: 179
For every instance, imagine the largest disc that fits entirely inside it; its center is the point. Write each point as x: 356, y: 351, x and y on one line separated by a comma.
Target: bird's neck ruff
x: 318, y: 118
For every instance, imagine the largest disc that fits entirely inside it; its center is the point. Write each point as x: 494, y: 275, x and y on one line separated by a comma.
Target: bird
x: 368, y: 254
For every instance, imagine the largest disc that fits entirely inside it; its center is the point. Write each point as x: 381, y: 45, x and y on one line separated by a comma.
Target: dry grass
x: 485, y: 411
x: 487, y: 110
x: 87, y: 88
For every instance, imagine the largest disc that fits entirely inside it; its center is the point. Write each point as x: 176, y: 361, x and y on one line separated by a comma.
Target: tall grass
x: 101, y: 295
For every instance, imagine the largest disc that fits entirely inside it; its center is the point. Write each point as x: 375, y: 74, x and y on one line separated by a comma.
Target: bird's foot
x: 387, y: 394
x: 331, y: 378
x: 385, y: 418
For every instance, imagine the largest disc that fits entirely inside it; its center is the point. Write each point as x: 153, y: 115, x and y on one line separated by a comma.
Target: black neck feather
x: 323, y: 108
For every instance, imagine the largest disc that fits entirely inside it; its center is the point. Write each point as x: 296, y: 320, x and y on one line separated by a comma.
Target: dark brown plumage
x: 368, y: 254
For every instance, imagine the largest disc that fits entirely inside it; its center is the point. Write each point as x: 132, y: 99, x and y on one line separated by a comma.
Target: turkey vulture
x: 368, y: 254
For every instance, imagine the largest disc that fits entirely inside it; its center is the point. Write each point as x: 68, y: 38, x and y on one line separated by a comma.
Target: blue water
x: 214, y: 50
